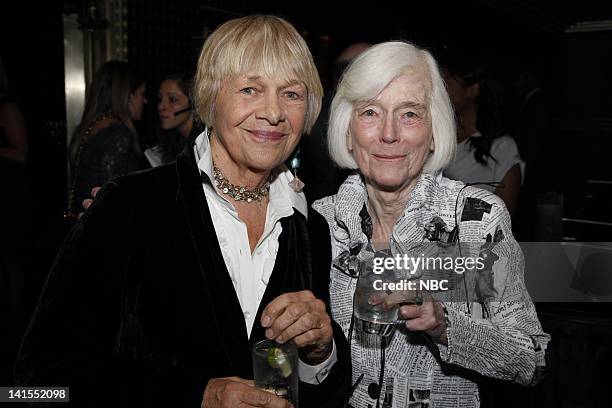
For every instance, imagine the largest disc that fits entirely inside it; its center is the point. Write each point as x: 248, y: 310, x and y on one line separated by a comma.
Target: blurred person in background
x: 485, y: 152
x: 105, y: 143
x: 321, y: 175
x: 13, y: 223
x: 178, y: 120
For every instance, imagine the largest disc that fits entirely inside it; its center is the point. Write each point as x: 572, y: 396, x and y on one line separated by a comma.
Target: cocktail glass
x: 275, y: 369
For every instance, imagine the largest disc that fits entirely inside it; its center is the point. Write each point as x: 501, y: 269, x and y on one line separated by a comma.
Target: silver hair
x: 368, y: 75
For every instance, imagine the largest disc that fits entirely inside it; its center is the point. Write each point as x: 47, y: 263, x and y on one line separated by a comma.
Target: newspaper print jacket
x: 492, y: 332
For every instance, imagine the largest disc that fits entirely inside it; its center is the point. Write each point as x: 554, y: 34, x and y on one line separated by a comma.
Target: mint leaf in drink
x: 278, y: 359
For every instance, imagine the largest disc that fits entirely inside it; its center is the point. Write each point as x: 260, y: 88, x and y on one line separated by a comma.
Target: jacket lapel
x: 226, y: 318
x: 291, y: 271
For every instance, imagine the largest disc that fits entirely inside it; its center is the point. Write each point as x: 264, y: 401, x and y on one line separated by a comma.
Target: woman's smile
x: 266, y: 135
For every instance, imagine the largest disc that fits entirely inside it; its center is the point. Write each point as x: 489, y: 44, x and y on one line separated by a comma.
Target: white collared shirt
x: 250, y: 272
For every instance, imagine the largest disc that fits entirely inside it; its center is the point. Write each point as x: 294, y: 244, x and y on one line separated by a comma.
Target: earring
x: 296, y: 184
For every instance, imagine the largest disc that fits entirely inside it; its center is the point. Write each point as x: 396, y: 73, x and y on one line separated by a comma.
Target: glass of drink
x: 372, y: 288
x: 275, y: 369
x: 372, y: 318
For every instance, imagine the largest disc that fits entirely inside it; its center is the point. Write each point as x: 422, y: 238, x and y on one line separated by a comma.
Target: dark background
x: 164, y: 35
x: 575, y: 69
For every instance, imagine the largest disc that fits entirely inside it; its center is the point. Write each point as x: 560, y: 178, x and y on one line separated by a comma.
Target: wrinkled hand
x: 235, y: 392
x: 89, y: 201
x: 420, y: 310
x: 302, y: 318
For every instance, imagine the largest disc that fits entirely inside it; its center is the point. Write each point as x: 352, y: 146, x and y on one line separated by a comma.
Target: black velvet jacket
x: 139, y: 308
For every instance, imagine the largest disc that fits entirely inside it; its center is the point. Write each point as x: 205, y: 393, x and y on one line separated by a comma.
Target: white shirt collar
x: 282, y: 195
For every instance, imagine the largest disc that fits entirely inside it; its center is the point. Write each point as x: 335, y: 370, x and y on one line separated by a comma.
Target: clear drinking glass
x: 373, y: 318
x: 275, y: 369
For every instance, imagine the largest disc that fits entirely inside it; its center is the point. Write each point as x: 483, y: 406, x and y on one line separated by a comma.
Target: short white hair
x: 368, y: 75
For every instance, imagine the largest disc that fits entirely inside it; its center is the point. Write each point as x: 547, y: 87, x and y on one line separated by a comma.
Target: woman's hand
x: 301, y: 317
x: 235, y: 392
x: 420, y: 310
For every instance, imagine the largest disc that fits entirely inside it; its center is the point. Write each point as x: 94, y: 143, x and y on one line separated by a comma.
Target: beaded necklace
x: 240, y: 193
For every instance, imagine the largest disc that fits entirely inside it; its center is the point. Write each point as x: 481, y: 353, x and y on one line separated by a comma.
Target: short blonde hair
x: 262, y: 44
x: 368, y: 75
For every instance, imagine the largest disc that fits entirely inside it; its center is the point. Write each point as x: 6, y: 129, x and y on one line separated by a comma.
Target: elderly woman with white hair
x: 391, y: 120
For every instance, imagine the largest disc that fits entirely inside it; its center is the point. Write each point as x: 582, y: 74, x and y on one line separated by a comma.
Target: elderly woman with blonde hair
x: 391, y: 121
x: 173, y: 274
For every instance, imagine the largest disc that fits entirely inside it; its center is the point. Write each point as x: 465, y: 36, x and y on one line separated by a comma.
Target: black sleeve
x: 110, y: 153
x: 70, y: 338
x: 332, y: 392
x: 118, y: 156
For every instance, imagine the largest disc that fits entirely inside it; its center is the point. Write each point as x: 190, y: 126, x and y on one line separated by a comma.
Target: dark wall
x: 585, y: 75
x: 32, y: 52
x: 31, y: 47
x: 163, y: 35
x: 582, y: 129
